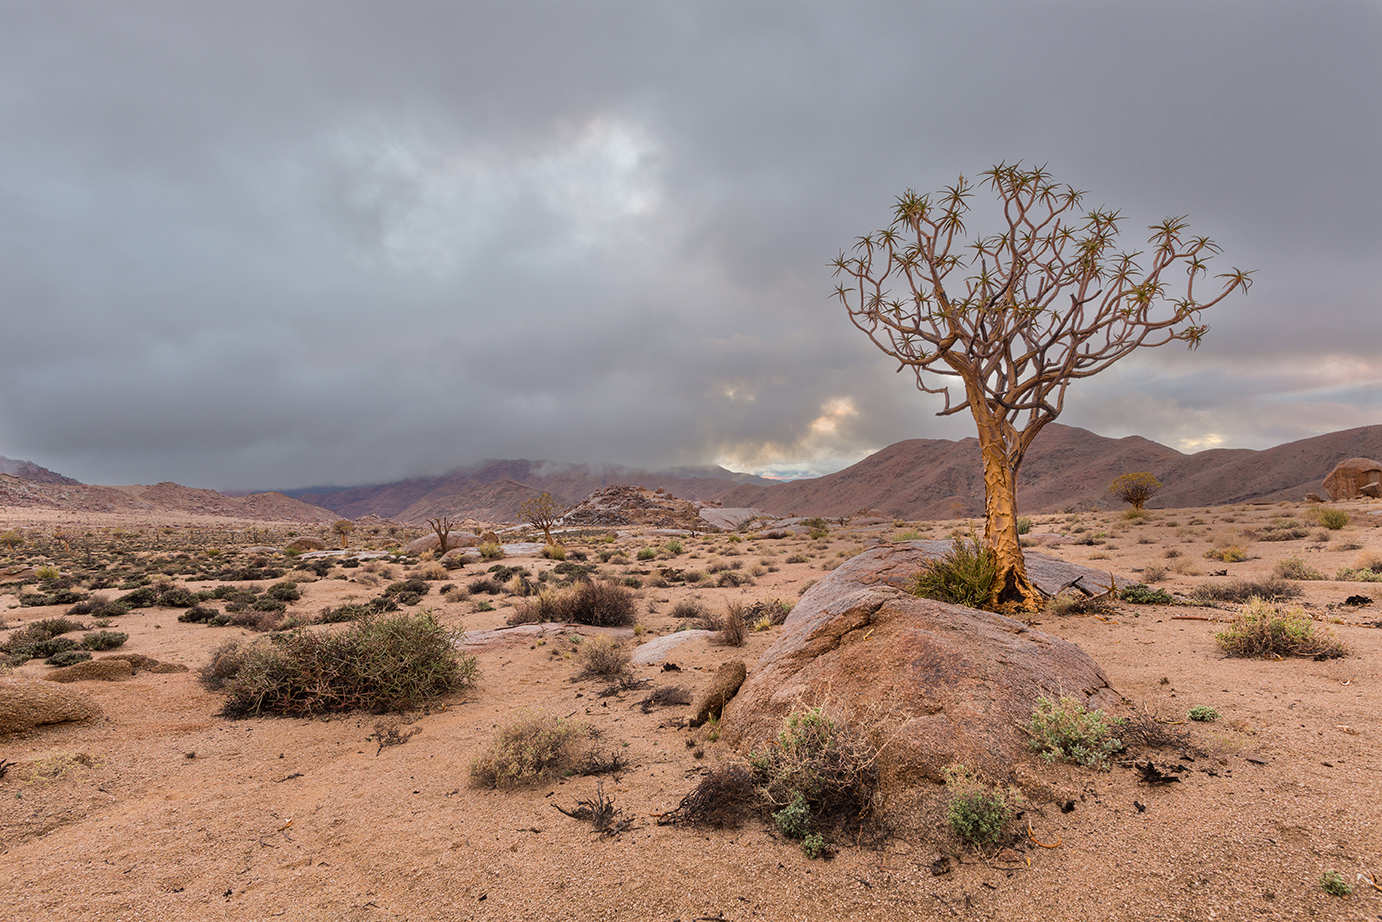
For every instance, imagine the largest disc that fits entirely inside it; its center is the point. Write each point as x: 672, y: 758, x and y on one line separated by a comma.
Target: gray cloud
x: 259, y: 245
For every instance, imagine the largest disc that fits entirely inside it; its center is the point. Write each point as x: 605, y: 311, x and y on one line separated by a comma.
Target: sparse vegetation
x: 964, y: 575
x: 1330, y: 517
x: 1203, y: 713
x: 817, y: 767
x: 1334, y: 884
x: 1273, y: 589
x: 1142, y: 594
x: 1135, y: 488
x: 977, y: 812
x: 1295, y: 568
x: 1067, y: 731
x: 529, y: 749
x: 601, y: 657
x: 1263, y: 629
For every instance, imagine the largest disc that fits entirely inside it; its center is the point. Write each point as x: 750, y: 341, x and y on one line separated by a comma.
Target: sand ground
x: 164, y: 810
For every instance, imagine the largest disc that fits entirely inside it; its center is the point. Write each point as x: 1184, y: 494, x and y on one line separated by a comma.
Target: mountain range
x: 1066, y: 467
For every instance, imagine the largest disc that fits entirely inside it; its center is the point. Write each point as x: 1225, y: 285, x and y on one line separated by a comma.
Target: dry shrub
x: 1144, y: 728
x: 529, y: 749
x: 600, y: 604
x: 1295, y: 568
x: 1266, y: 630
x: 1073, y: 603
x: 543, y: 607
x: 432, y: 572
x: 827, y: 763
x: 688, y: 608
x: 720, y: 801
x: 1369, y: 560
x: 377, y: 664
x: 602, y: 657
x: 1241, y: 590
x: 731, y: 627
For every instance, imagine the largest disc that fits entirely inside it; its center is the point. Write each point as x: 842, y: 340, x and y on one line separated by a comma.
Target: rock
x: 306, y: 543
x: 1371, y: 490
x: 489, y: 537
x: 731, y: 518
x: 1348, y: 477
x: 260, y: 549
x: 948, y: 684
x: 25, y: 703
x: 1314, y: 498
x: 432, y: 542
x: 94, y: 670
x: 711, y: 703
x: 658, y: 649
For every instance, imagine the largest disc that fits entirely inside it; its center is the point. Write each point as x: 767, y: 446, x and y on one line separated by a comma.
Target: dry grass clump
x: 1266, y: 630
x: 432, y: 572
x: 1295, y: 568
x: 598, y: 604
x: 603, y: 658
x: 827, y: 764
x: 1273, y: 589
x: 731, y: 628
x: 377, y: 664
x: 529, y: 749
x: 963, y: 575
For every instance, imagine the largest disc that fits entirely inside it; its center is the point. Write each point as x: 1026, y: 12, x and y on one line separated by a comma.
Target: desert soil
x: 164, y: 810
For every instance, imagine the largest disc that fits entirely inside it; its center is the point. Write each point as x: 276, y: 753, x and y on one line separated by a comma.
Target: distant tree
x: 1018, y: 314
x: 541, y: 512
x: 343, y: 527
x: 12, y: 539
x: 1135, y: 488
x: 442, y: 526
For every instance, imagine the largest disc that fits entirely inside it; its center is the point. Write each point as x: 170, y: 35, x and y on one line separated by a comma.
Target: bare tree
x: 1135, y: 488
x: 442, y: 526
x: 541, y: 512
x: 1019, y: 314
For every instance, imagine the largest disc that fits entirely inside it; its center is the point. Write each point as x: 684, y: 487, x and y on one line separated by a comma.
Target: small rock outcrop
x: 432, y: 542
x: 725, y: 684
x: 945, y: 683
x: 25, y: 703
x: 1350, y: 477
x: 306, y: 543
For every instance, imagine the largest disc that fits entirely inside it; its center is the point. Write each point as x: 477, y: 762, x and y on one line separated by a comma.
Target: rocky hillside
x: 159, y: 498
x: 27, y: 470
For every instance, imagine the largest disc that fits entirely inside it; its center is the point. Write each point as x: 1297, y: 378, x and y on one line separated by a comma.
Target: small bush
x: 142, y: 597
x: 68, y: 658
x: 176, y: 597
x: 1264, y: 629
x: 603, y: 658
x: 1334, y: 884
x: 964, y: 575
x: 646, y: 553
x: 1350, y: 575
x: 1066, y: 730
x: 830, y: 765
x: 104, y: 640
x: 1330, y: 517
x: 42, y: 630
x: 284, y: 592
x: 379, y: 664
x: 529, y: 749
x: 1024, y: 524
x: 1229, y: 554
x: 688, y: 608
x: 732, y: 627
x: 1142, y: 594
x: 1295, y: 568
x: 977, y: 813
x: 600, y: 605
x: 490, y: 551
x: 1274, y: 589
x: 486, y: 585
x: 673, y: 547
x: 1203, y: 713
x: 553, y: 552
x: 794, y: 820
x: 719, y: 801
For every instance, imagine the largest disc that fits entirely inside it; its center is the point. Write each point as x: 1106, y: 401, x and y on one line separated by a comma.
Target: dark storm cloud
x: 262, y: 244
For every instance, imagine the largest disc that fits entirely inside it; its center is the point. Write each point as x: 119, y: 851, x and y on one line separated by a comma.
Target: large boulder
x: 1350, y: 476
x: 25, y: 703
x: 306, y: 543
x: 432, y: 542
x: 945, y: 683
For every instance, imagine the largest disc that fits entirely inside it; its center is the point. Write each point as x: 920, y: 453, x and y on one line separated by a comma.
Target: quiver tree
x: 343, y: 527
x: 1018, y: 314
x: 541, y: 511
x: 1135, y: 488
x: 442, y: 526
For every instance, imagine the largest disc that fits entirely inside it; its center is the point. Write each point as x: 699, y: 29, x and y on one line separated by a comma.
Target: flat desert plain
x: 162, y: 809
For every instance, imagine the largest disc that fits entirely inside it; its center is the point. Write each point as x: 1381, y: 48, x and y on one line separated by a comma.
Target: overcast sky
x: 276, y: 244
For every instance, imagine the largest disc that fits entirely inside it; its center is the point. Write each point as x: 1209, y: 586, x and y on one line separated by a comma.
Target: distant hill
x: 493, y: 490
x: 1066, y: 466
x: 27, y: 470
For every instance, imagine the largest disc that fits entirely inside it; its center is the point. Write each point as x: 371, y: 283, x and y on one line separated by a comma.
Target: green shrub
x: 813, y: 846
x: 284, y: 592
x: 1330, y: 517
x: 1142, y: 594
x: 379, y: 664
x: 142, y: 597
x: 1230, y: 554
x: 529, y: 749
x: 976, y: 813
x: 490, y: 550
x: 646, y: 553
x: 1350, y: 575
x: 68, y: 658
x: 1273, y: 589
x: 964, y: 575
x: 1068, y: 731
x: 1024, y: 524
x: 1264, y: 629
x: 104, y: 640
x: 794, y: 820
x: 176, y: 597
x: 1203, y: 713
x: 553, y: 552
x: 673, y: 547
x: 42, y: 630
x: 1334, y: 884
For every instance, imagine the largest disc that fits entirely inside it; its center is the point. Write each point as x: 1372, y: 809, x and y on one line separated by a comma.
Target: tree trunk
x: 1012, y: 590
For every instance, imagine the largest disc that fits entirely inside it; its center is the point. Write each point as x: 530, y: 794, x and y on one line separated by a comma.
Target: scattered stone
x: 25, y: 703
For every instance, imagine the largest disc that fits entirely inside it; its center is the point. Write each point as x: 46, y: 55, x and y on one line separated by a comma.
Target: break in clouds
x: 258, y: 246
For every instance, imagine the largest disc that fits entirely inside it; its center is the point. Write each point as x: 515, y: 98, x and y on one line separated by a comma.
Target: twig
x: 1192, y: 618
x: 1031, y: 835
